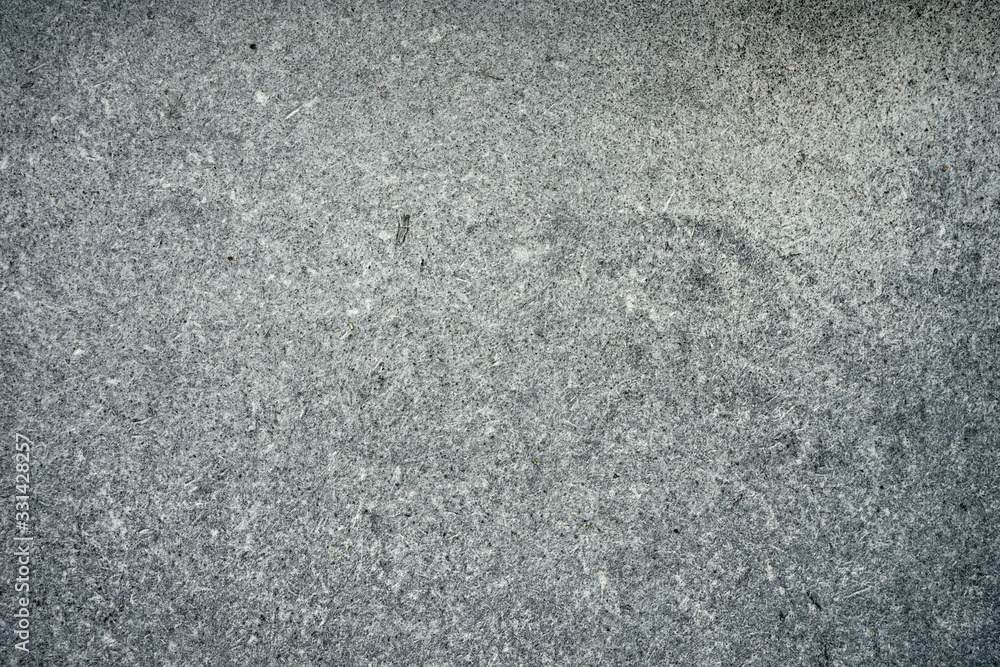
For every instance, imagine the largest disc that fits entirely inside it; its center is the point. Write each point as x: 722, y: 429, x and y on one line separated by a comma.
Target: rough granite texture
x: 690, y: 355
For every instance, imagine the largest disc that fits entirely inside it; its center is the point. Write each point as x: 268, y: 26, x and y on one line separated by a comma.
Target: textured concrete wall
x: 686, y: 353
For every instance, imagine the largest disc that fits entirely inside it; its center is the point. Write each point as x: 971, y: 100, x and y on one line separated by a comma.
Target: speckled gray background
x: 689, y: 357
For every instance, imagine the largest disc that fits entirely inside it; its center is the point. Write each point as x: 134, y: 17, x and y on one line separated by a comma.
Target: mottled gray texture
x: 690, y: 355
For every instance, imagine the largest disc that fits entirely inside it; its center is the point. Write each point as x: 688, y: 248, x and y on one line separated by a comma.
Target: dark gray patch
x: 402, y: 228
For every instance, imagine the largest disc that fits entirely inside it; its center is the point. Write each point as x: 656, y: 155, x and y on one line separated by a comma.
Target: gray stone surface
x: 689, y: 355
